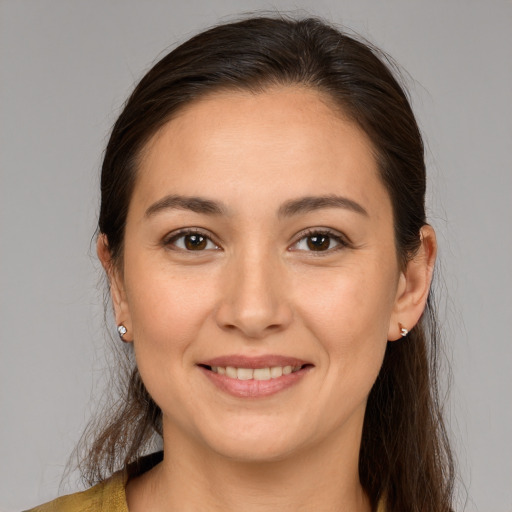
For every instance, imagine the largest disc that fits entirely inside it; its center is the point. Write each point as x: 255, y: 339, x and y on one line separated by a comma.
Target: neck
x: 190, y: 478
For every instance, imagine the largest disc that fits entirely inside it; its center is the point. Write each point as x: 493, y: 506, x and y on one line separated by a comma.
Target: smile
x: 245, y: 377
x: 255, y: 373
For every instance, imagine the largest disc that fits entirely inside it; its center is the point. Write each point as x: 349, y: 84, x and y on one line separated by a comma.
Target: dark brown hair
x: 405, y: 458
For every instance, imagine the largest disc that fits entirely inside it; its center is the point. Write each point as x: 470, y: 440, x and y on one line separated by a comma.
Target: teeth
x: 276, y: 371
x: 231, y: 372
x: 256, y: 373
x: 261, y: 373
x: 244, y: 373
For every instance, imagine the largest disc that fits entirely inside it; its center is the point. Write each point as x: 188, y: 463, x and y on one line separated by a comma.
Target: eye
x: 320, y: 241
x: 190, y: 240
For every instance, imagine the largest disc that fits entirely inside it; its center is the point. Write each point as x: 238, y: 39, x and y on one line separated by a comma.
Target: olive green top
x: 108, y: 495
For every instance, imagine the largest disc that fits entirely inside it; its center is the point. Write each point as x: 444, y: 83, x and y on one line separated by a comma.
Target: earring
x: 121, y: 330
x: 403, y: 331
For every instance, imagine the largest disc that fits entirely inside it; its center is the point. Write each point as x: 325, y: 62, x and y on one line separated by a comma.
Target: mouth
x: 245, y: 377
x: 264, y: 373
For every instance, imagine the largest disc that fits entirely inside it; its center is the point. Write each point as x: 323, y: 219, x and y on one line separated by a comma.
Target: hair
x: 405, y: 458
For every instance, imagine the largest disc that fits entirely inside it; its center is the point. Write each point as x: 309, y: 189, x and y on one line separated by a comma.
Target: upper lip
x: 263, y: 361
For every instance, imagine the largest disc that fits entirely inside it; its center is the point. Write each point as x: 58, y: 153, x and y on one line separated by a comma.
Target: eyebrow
x: 288, y: 209
x: 311, y: 203
x: 195, y: 204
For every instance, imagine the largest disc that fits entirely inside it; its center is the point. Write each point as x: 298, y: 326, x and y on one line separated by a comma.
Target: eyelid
x: 343, y: 240
x: 174, y: 235
x: 340, y: 238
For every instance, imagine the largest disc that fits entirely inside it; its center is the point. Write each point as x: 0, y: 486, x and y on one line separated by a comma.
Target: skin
x: 258, y: 288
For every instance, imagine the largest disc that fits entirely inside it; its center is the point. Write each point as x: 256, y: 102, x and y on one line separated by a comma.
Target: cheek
x: 348, y: 301
x: 348, y: 311
x: 168, y: 310
x: 167, y: 307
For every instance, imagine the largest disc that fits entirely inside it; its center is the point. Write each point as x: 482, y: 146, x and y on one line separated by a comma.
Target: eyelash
x: 339, y: 239
x: 342, y: 242
x: 173, y: 237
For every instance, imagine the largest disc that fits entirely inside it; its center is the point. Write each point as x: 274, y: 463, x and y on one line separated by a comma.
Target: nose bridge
x: 253, y: 300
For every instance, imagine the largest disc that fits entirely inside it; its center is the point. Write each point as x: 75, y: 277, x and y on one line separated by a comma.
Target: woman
x: 263, y: 230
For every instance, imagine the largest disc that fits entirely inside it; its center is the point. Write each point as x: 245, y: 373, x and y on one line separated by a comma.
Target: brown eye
x: 195, y: 242
x: 191, y: 241
x: 318, y: 242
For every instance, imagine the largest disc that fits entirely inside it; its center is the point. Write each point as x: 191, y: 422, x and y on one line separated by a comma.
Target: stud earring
x: 121, y: 330
x: 403, y: 331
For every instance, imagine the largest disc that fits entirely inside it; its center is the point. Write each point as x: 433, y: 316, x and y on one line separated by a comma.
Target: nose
x: 253, y: 300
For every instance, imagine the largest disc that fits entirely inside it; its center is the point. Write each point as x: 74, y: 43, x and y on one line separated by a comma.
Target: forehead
x: 269, y: 146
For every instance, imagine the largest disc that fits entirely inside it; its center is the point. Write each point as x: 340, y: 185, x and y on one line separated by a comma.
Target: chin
x: 255, y: 443
x: 257, y: 451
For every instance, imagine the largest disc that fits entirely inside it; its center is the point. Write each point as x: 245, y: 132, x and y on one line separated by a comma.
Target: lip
x: 254, y: 388
x: 263, y: 361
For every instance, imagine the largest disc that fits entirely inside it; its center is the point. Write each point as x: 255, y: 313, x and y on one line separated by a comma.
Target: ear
x: 414, y: 285
x: 116, y: 283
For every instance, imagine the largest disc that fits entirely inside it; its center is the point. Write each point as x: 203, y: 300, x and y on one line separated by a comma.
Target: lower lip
x: 255, y: 388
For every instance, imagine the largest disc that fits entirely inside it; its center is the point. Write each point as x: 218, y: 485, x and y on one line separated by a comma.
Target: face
x: 259, y: 242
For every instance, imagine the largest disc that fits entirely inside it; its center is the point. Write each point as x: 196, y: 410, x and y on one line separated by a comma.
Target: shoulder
x: 106, y: 496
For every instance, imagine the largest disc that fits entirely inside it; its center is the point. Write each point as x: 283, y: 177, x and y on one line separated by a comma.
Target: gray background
x: 66, y: 67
